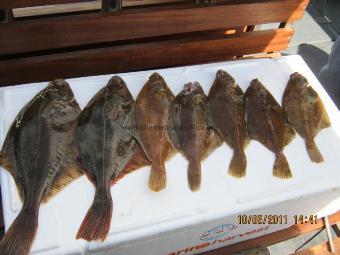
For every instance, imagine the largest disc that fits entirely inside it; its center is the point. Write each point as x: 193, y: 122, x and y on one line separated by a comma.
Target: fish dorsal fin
x: 319, y: 108
x: 246, y: 142
x: 4, y: 158
x: 69, y: 167
x: 324, y: 121
x: 130, y: 125
x: 289, y: 135
x: 6, y: 164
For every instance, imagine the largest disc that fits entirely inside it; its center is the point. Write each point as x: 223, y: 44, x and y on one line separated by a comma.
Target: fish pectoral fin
x: 288, y: 136
x: 325, y: 121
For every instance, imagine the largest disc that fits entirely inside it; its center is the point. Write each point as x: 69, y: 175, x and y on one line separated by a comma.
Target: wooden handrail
x: 54, y: 33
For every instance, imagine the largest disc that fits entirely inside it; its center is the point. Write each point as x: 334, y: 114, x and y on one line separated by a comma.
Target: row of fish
x: 52, y: 142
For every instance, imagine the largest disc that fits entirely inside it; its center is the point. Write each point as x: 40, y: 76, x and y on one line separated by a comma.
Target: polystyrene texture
x: 142, y: 217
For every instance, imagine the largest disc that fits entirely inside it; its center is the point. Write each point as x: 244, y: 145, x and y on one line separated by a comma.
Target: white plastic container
x: 176, y: 220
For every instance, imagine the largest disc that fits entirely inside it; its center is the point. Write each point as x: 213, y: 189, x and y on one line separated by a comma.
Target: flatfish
x: 106, y: 152
x: 189, y: 130
x: 33, y: 154
x: 265, y: 123
x: 227, y: 107
x: 305, y: 112
x: 147, y: 122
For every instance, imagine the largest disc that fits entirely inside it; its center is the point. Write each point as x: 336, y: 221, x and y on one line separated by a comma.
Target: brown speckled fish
x: 32, y: 153
x: 147, y: 123
x: 107, y: 151
x: 189, y: 130
x: 304, y: 111
x: 226, y: 100
x: 265, y: 123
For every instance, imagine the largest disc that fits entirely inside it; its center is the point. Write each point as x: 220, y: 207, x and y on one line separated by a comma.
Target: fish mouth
x: 299, y: 79
x: 192, y: 87
x: 59, y: 82
x: 155, y: 76
x: 59, y: 89
x: 116, y: 83
x: 255, y: 83
x: 221, y: 74
x: 295, y: 75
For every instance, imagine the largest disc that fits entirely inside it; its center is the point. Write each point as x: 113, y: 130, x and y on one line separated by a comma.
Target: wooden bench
x: 138, y: 37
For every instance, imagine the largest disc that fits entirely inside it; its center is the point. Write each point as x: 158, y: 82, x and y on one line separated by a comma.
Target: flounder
x: 33, y: 152
x: 107, y: 151
x: 147, y: 123
x: 305, y: 112
x: 227, y: 107
x: 189, y: 130
x: 266, y: 124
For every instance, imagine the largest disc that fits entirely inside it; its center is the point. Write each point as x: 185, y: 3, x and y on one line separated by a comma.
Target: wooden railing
x: 136, y: 38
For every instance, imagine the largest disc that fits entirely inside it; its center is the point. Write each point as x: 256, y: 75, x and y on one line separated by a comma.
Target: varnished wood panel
x: 37, y: 35
x: 10, y: 4
x: 140, y: 56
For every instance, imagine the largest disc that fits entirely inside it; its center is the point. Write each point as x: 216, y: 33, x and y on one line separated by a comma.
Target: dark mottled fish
x: 107, y: 151
x: 265, y: 123
x: 189, y: 130
x: 304, y: 111
x: 32, y: 153
x: 226, y: 100
x: 147, y: 123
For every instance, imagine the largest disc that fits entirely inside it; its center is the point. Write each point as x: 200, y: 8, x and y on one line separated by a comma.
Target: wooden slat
x: 140, y: 56
x: 37, y: 35
x: 11, y: 4
x: 79, y: 7
x: 275, y: 237
x: 322, y: 249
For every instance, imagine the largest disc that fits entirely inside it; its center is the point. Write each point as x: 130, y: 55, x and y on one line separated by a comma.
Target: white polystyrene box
x: 176, y: 220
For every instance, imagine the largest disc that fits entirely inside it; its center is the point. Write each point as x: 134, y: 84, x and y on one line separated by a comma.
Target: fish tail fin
x: 157, y: 179
x: 20, y: 236
x: 96, y: 224
x: 281, y: 167
x: 313, y: 151
x: 194, y: 175
x: 238, y: 164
